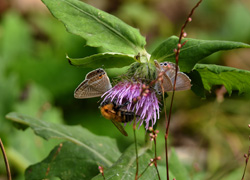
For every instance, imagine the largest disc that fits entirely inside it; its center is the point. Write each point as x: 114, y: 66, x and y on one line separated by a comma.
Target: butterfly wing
x: 95, y: 84
x: 182, y: 80
x: 166, y: 82
x: 100, y: 82
x: 94, y: 73
x: 119, y: 127
x: 84, y: 91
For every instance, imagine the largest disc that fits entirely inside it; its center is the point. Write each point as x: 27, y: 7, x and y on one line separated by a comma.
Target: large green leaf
x: 231, y: 78
x: 197, y: 84
x: 67, y: 161
x: 102, y: 150
x: 193, y: 51
x: 108, y: 60
x: 176, y: 167
x: 125, y: 167
x: 99, y: 28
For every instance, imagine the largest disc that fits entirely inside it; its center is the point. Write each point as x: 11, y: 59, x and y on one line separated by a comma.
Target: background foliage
x: 36, y: 79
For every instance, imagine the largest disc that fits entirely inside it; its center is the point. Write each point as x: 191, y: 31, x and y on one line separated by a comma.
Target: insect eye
x: 98, y: 71
x: 165, y: 64
x: 161, y: 64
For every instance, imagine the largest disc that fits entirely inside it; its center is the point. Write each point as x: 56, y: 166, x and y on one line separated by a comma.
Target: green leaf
x: 193, y: 51
x: 125, y: 166
x: 102, y: 150
x: 197, y: 84
x: 176, y: 167
x: 67, y: 161
x: 98, y: 28
x: 162, y: 172
x: 108, y: 60
x: 231, y: 78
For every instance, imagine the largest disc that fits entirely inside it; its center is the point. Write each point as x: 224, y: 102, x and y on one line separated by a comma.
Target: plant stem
x: 5, y: 160
x: 179, y: 46
x: 144, y: 170
x: 136, y: 150
x: 247, y: 158
x: 155, y: 163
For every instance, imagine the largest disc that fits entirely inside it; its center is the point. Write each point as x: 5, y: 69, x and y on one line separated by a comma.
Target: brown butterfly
x: 95, y: 84
x: 169, y: 69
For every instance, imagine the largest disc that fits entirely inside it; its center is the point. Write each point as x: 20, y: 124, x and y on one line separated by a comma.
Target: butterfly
x: 182, y: 81
x: 95, y: 84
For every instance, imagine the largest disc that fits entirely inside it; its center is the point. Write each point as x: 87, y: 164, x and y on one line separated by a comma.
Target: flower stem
x: 179, y: 46
x: 144, y: 170
x: 155, y: 163
x: 136, y: 150
x: 102, y: 172
x: 5, y: 160
x: 247, y: 158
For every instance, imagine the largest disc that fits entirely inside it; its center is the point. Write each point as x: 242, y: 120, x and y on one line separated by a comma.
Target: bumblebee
x: 117, y: 114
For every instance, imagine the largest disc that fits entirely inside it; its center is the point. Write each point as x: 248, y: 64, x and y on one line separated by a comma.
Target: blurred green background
x: 210, y: 135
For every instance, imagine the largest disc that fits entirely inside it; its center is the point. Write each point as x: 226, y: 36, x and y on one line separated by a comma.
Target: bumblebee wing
x: 84, y: 90
x: 119, y: 127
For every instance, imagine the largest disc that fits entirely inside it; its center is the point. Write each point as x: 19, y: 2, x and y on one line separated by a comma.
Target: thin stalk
x: 5, y: 160
x: 102, y: 171
x: 179, y: 46
x: 155, y: 162
x: 136, y: 150
x: 247, y: 158
x: 144, y: 170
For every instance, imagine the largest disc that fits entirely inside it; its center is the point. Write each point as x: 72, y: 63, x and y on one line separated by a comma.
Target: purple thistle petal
x: 147, y: 108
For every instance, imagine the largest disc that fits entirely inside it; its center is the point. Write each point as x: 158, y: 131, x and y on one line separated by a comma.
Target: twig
x: 247, y: 158
x: 101, y: 171
x: 156, y: 158
x: 5, y: 160
x: 177, y: 52
x: 136, y: 150
x: 150, y: 164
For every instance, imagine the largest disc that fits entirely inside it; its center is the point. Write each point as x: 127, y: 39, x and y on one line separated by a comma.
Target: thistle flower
x: 143, y: 100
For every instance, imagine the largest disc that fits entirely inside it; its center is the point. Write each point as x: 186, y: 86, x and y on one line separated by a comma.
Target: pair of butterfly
x: 97, y: 82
